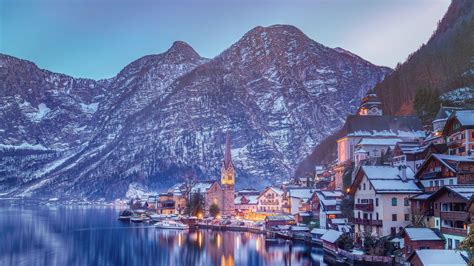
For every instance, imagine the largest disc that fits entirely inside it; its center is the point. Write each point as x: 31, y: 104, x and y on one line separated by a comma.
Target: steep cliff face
x: 279, y: 92
x: 444, y: 63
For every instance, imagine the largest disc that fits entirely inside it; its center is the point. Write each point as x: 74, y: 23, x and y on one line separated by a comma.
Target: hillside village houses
x: 414, y: 187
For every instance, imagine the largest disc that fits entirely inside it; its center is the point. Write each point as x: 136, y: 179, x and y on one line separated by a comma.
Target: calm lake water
x: 45, y: 235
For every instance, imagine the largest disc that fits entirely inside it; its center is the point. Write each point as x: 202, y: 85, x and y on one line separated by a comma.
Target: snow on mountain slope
x: 279, y: 92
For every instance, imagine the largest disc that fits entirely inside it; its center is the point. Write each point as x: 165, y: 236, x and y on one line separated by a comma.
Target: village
x: 397, y: 193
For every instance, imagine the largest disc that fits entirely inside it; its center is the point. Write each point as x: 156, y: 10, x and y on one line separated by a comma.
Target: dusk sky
x: 97, y: 38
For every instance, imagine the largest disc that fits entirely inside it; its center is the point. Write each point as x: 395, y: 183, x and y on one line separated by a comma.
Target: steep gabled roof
x: 422, y: 234
x: 444, y: 112
x: 276, y: 190
x: 386, y: 179
x: 464, y: 117
x: 462, y: 191
x: 450, y: 161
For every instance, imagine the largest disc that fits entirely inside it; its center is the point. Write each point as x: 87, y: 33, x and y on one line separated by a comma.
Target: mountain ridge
x: 164, y: 116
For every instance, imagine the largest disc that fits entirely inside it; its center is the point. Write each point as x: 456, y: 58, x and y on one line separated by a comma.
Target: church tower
x: 371, y: 105
x: 227, y: 180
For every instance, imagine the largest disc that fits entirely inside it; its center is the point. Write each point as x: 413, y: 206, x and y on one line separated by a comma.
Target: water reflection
x: 38, y: 235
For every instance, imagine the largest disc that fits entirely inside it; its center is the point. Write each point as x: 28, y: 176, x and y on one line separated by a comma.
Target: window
x: 358, y: 215
x: 406, y: 202
x: 377, y: 202
x: 462, y: 149
x: 364, y: 186
x: 370, y: 187
x: 450, y: 243
x: 437, y: 223
x: 451, y: 182
x: 393, y: 230
x: 376, y: 216
x: 431, y: 183
x: 394, y: 217
x: 442, y: 182
x: 358, y: 200
x: 407, y: 217
x: 394, y: 201
x: 437, y: 183
x: 359, y: 187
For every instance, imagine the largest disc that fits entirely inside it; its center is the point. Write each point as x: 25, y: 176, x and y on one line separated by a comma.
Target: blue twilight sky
x: 97, y: 38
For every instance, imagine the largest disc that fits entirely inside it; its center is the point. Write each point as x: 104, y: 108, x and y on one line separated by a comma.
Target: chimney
x: 403, y: 172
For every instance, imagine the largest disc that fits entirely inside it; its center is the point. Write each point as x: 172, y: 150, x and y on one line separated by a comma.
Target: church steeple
x: 227, y: 152
x: 370, y: 104
x: 227, y: 171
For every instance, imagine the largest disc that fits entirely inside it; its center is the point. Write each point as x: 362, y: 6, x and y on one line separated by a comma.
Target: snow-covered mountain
x: 163, y: 117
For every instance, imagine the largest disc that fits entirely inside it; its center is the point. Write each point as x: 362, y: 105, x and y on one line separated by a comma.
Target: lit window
x: 394, y: 201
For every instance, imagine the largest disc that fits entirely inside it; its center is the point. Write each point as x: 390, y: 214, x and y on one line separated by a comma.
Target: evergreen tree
x: 214, y: 210
x: 468, y: 245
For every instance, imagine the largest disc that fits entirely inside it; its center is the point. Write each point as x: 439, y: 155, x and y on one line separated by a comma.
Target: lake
x: 66, y: 235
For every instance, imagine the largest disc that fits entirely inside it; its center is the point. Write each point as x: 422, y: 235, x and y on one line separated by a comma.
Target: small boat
x: 167, y: 224
x: 125, y: 215
x: 136, y: 219
x: 155, y: 217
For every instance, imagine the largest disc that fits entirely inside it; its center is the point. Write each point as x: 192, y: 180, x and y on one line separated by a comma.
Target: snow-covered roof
x: 331, y: 193
x: 253, y: 199
x: 318, y: 231
x: 331, y: 202
x: 385, y: 172
x: 299, y: 228
x: 379, y: 141
x: 302, y: 193
x: 417, y: 234
x: 331, y: 236
x: 440, y: 257
x: 339, y: 221
x: 423, y: 196
x: 276, y: 190
x: 388, y: 179
x: 201, y: 187
x: 280, y: 218
x: 465, y: 117
x: 383, y: 126
x: 450, y: 161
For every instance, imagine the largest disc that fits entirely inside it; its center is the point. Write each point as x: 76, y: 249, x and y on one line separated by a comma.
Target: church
x: 369, y: 133
x: 221, y: 193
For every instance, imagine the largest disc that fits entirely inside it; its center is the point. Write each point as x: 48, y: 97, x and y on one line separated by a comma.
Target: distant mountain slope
x: 278, y: 91
x: 444, y: 63
x: 445, y: 66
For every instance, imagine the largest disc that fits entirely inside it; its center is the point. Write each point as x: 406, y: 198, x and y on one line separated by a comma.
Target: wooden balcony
x: 430, y: 175
x: 367, y: 207
x: 455, y: 143
x: 367, y: 222
x: 454, y: 216
x: 454, y: 231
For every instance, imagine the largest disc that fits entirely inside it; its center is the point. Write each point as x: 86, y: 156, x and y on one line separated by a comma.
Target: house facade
x: 382, y: 199
x: 459, y: 132
x: 271, y: 200
x: 440, y: 169
x: 450, y: 212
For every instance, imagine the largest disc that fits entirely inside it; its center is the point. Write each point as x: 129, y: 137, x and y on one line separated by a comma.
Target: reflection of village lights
x: 218, y: 216
x: 218, y: 240
x: 199, y: 238
x: 180, y: 239
x: 257, y: 244
x: 237, y: 241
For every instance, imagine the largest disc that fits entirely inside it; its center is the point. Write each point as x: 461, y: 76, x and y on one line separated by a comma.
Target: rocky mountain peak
x: 181, y: 50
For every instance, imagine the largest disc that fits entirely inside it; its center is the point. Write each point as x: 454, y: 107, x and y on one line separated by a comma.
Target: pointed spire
x: 227, y: 152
